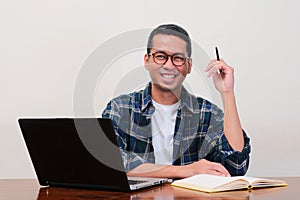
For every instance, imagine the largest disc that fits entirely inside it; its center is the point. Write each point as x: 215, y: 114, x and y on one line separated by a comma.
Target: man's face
x: 167, y: 77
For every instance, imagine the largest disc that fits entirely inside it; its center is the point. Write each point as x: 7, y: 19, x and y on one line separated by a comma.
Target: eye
x: 178, y: 58
x: 160, y: 56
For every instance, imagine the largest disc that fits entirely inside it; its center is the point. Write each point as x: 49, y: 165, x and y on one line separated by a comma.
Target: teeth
x: 168, y: 76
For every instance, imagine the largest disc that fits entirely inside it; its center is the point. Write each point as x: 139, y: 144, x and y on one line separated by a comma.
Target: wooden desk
x: 29, y: 189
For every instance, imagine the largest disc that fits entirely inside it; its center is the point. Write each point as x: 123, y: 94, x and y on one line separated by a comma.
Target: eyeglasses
x: 161, y: 58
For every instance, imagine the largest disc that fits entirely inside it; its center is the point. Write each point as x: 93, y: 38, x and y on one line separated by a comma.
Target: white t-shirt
x: 163, y: 125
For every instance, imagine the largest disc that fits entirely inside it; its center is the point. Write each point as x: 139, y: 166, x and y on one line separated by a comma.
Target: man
x: 163, y: 131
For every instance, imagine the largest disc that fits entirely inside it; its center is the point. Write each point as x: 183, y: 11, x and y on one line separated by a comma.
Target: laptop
x: 78, y: 153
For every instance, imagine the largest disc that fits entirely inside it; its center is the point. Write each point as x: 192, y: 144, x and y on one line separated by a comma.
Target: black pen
x: 217, y: 52
x: 218, y: 58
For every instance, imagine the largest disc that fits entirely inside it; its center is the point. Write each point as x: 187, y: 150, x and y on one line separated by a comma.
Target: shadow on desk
x: 163, y: 192
x: 29, y: 189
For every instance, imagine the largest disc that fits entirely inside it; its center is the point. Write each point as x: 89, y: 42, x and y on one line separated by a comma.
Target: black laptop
x: 78, y: 153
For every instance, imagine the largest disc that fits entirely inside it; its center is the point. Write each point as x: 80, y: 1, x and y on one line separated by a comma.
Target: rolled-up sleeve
x: 236, y: 162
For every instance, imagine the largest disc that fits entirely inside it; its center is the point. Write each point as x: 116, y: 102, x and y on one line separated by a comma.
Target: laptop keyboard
x: 134, y: 182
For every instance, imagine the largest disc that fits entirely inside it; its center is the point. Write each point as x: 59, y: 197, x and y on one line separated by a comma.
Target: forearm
x: 232, y: 126
x: 163, y: 171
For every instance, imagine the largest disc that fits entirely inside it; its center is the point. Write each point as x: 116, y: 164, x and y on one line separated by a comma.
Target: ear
x: 146, y: 61
x: 190, y: 63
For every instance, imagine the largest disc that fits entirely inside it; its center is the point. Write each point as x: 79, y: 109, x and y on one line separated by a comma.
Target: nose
x: 169, y: 64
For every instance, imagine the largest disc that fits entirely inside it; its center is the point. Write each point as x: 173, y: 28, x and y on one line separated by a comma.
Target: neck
x: 164, y: 96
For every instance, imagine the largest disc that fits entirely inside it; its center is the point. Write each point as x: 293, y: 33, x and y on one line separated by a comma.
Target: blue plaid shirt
x: 198, y: 132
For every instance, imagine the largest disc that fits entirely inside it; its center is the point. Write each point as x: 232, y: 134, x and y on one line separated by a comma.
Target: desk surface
x: 28, y: 189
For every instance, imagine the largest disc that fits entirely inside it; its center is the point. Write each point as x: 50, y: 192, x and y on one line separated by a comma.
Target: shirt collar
x: 189, y: 101
x: 146, y: 97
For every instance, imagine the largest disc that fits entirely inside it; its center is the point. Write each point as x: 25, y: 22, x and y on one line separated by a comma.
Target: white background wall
x: 43, y: 45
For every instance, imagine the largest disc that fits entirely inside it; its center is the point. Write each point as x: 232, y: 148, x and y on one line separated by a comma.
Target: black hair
x: 171, y: 29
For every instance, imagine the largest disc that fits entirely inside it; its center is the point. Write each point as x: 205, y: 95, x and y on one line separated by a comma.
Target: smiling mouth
x: 168, y: 76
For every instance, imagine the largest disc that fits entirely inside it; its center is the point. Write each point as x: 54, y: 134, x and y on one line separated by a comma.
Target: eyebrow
x: 180, y: 53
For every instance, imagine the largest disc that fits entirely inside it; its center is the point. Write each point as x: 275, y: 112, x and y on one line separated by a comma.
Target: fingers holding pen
x: 215, y: 67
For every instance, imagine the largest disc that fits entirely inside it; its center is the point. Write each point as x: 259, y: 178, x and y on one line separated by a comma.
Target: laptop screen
x: 61, y: 157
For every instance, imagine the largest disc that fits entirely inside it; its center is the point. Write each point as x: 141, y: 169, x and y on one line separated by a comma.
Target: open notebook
x: 211, y: 183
